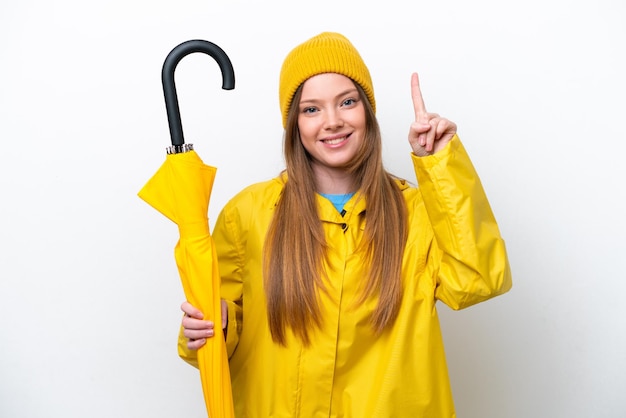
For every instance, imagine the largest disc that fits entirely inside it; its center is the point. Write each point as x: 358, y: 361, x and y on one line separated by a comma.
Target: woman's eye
x: 309, y: 110
x: 349, y: 102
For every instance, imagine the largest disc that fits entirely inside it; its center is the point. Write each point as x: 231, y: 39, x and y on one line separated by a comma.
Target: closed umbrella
x: 181, y: 190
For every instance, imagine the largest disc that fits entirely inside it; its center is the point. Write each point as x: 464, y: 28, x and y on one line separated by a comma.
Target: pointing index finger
x: 418, y: 101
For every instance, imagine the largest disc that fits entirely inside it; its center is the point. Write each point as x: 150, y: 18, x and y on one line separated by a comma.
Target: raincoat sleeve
x: 230, y: 255
x: 468, y: 257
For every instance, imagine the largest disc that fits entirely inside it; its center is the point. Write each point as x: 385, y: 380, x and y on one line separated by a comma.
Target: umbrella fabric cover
x: 181, y: 190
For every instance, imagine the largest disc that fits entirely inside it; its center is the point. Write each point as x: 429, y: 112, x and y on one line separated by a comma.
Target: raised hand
x: 429, y: 133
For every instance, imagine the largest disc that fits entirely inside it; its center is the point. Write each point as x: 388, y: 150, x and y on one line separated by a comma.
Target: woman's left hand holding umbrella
x: 196, y: 329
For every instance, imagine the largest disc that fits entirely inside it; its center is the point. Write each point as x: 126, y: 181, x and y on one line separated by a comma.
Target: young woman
x: 331, y: 271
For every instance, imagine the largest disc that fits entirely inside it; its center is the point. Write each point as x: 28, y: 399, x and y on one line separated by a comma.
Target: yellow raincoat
x: 454, y: 254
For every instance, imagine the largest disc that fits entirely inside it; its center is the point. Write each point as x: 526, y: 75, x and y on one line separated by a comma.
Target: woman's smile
x: 335, y: 140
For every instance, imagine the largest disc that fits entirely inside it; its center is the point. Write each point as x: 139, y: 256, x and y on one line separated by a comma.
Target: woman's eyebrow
x: 343, y: 93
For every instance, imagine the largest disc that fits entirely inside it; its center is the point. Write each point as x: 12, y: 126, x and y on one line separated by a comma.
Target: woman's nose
x: 333, y: 119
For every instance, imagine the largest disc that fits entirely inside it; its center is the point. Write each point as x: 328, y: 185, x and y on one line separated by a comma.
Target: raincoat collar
x: 327, y: 211
x: 355, y: 206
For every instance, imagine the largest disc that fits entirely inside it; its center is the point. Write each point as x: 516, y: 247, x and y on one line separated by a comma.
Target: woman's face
x: 331, y: 120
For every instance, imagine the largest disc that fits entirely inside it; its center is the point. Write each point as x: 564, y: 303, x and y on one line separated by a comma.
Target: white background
x: 89, y: 291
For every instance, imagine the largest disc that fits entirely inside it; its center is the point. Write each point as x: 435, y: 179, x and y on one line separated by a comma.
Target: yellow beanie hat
x: 328, y: 52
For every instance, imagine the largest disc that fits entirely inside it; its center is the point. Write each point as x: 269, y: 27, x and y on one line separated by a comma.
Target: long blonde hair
x: 295, y: 246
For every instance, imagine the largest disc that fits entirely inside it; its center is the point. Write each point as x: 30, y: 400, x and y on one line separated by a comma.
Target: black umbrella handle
x: 169, y: 86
